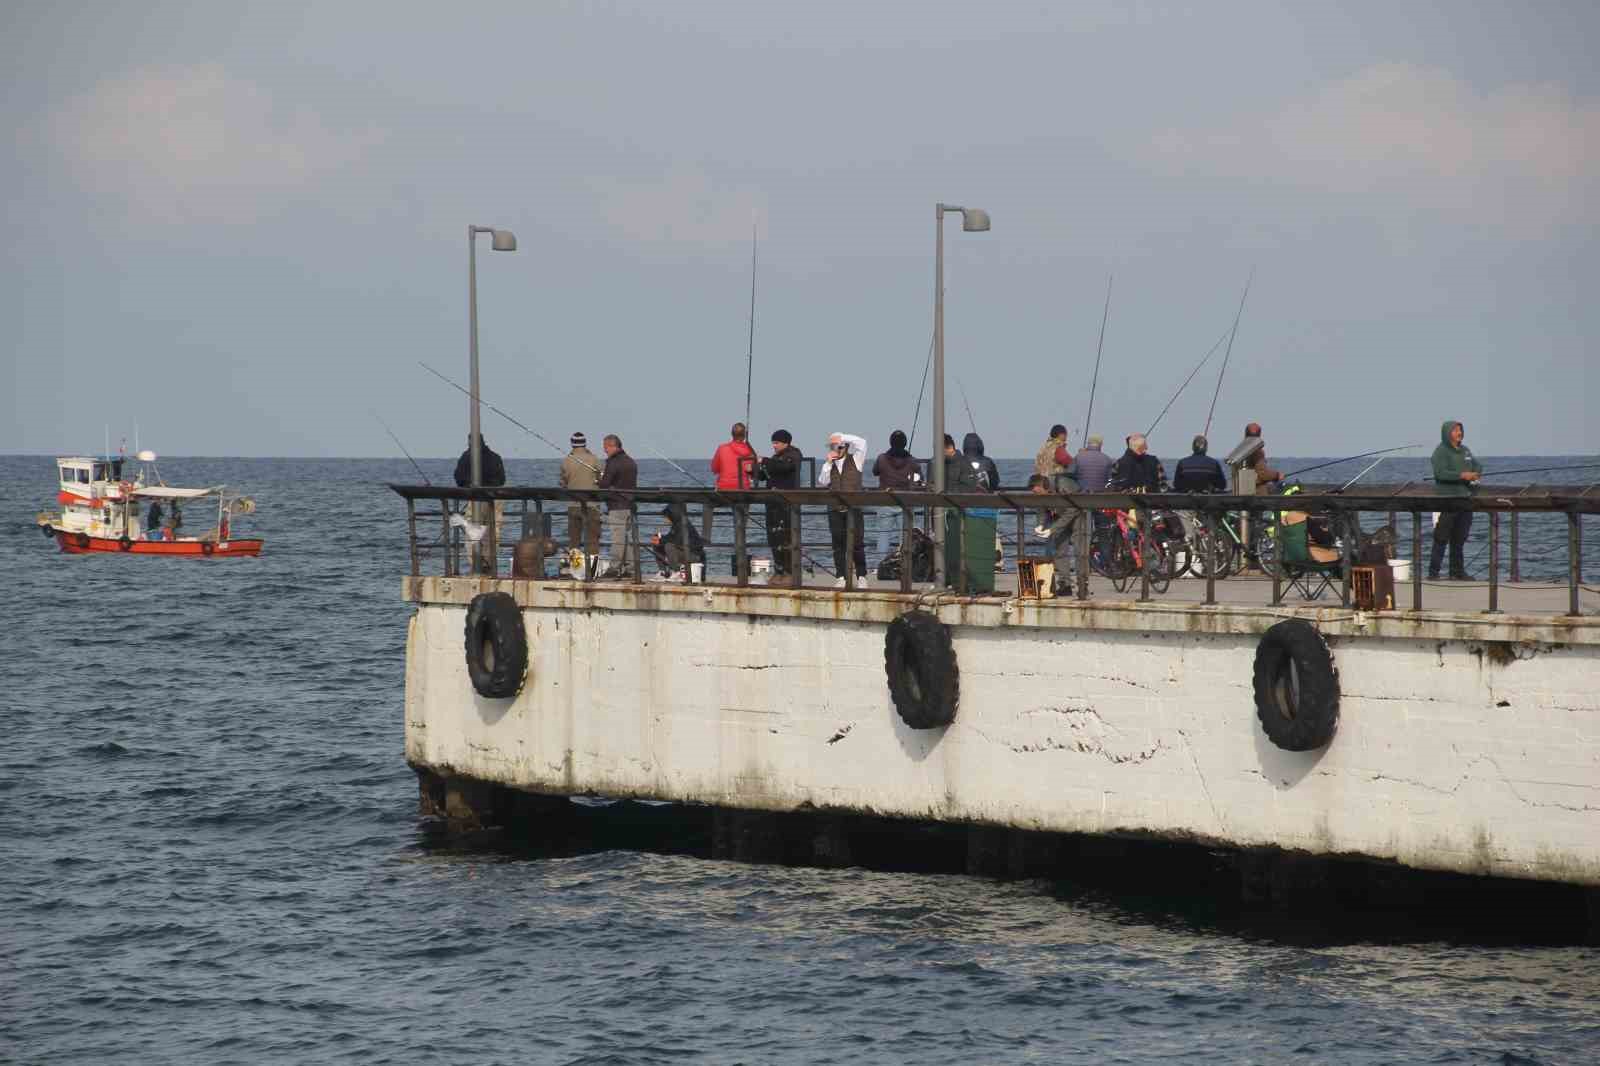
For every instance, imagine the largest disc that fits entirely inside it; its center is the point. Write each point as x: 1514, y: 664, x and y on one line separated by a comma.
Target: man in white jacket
x: 841, y: 471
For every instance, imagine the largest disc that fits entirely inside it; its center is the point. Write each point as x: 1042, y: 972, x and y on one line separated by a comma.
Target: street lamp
x: 973, y: 220
x: 503, y: 241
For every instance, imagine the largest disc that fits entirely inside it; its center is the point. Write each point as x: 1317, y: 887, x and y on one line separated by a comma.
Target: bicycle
x: 1122, y: 550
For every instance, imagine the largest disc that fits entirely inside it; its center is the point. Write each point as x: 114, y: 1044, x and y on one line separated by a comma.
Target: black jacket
x: 1199, y: 473
x: 1136, y: 473
x: 896, y: 471
x: 621, y: 472
x: 782, y: 471
x: 494, y: 469
x: 674, y: 535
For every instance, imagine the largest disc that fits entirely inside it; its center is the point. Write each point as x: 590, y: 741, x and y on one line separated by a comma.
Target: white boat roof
x: 168, y: 492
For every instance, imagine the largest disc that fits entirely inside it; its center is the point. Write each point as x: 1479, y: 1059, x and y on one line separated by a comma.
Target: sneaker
x: 838, y: 582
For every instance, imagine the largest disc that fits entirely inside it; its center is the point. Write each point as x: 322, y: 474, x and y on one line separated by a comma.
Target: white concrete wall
x: 1443, y: 759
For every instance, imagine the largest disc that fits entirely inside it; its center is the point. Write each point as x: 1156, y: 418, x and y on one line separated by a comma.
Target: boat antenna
x: 1185, y: 384
x: 750, y: 351
x: 1098, y: 350
x: 920, y: 390
x: 973, y: 422
x: 532, y: 433
x: 1229, y: 354
x: 397, y: 443
x: 1350, y: 458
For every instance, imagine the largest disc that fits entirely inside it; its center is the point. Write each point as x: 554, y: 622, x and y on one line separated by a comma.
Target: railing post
x: 449, y: 539
x: 849, y: 574
x: 1350, y: 526
x: 1142, y: 523
x: 411, y: 529
x: 1278, y: 569
x: 1209, y: 520
x: 1516, y: 571
x: 681, y: 513
x: 795, y: 516
x: 741, y: 560
x: 1416, y: 560
x: 1574, y: 562
x: 1084, y: 533
x: 908, y: 555
x: 1494, y: 562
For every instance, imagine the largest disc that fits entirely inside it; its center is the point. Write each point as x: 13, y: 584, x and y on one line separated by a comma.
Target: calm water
x: 211, y: 854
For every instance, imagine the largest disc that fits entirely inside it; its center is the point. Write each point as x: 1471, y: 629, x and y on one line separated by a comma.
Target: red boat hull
x: 83, y: 544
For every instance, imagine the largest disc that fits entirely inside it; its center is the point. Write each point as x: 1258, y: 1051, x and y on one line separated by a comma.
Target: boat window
x: 99, y: 471
x: 83, y: 476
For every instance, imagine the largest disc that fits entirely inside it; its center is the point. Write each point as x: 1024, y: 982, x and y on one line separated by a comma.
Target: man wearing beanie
x: 780, y: 470
x: 580, y: 469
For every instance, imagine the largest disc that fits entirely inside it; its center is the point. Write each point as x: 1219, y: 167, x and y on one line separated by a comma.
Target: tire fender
x: 924, y: 679
x: 83, y: 540
x: 496, y: 645
x: 1296, y: 687
x: 125, y: 543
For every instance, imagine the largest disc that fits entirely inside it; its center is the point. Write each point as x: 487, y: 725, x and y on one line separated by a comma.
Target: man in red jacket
x: 732, y: 462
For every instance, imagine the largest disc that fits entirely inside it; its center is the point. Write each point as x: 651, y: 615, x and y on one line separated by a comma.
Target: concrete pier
x: 1467, y: 741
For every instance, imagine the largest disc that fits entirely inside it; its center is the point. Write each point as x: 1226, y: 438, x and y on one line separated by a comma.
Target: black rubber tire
x: 125, y: 543
x: 83, y: 540
x: 1296, y: 687
x: 924, y: 680
x: 496, y: 645
x: 49, y: 531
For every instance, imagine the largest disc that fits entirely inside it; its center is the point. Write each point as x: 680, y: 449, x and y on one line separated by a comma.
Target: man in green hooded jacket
x: 1455, y: 473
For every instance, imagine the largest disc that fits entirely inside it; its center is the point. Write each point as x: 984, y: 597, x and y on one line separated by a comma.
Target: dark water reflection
x: 210, y: 854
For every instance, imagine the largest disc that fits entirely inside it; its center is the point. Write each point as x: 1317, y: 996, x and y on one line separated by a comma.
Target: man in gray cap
x: 1091, y: 465
x: 580, y: 469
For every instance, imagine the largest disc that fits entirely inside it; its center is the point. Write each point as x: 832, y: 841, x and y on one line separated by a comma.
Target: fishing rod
x: 1363, y: 473
x: 1350, y: 458
x: 1185, y: 384
x: 923, y: 388
x: 1542, y: 469
x: 663, y: 455
x: 1098, y: 350
x: 1235, y: 332
x: 973, y: 422
x: 750, y: 352
x: 396, y: 440
x: 502, y: 414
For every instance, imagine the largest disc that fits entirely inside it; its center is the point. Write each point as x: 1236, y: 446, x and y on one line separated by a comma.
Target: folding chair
x: 1310, y: 568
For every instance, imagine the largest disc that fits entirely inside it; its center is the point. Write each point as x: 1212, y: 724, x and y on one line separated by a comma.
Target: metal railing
x: 732, y: 512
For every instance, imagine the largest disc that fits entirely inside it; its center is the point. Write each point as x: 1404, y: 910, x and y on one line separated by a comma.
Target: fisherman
x: 1265, y: 474
x: 1057, y: 529
x: 667, y: 546
x: 493, y: 467
x: 952, y: 462
x: 152, y: 521
x: 780, y: 470
x: 731, y: 463
x: 1053, y: 459
x: 847, y: 457
x: 896, y: 468
x: 1091, y: 466
x: 580, y: 469
x: 1455, y: 473
x: 1199, y: 472
x: 621, y: 472
x: 1137, y: 470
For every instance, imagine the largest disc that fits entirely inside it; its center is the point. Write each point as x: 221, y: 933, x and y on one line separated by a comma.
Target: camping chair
x: 1310, y: 568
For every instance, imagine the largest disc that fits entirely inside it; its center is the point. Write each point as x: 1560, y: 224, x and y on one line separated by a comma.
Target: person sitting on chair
x: 667, y: 546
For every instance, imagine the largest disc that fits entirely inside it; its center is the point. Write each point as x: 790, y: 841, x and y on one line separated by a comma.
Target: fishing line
x: 396, y: 440
x: 502, y: 414
x: 1350, y: 458
x: 921, y: 389
x: 1099, y: 349
x: 1541, y: 469
x: 1232, y: 334
x: 1185, y: 384
x: 973, y: 422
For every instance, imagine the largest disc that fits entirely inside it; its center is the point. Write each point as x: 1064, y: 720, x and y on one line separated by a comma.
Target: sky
x: 238, y: 229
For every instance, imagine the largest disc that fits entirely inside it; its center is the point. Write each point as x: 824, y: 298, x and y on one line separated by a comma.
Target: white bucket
x: 697, y: 572
x: 1401, y: 568
x: 760, y: 566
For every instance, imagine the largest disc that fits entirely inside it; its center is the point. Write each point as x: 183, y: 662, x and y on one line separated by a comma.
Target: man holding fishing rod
x: 1455, y: 473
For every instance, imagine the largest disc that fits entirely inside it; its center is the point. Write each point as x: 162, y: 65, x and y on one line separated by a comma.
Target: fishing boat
x: 104, y: 511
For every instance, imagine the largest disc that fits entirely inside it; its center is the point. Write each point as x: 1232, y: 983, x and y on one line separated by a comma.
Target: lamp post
x: 503, y: 241
x: 973, y: 220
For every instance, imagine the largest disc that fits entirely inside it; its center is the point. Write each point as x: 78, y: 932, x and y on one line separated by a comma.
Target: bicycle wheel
x: 1213, y: 554
x: 1119, y: 564
x: 1157, y: 563
x: 1180, y: 558
x: 1266, y: 546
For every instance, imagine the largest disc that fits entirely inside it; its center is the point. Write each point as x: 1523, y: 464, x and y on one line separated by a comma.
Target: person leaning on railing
x: 580, y: 469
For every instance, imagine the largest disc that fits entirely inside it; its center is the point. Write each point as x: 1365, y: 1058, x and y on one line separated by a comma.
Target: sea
x: 210, y: 852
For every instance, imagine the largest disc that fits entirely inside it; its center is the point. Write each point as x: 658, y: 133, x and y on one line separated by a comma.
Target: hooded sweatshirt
x: 1450, y: 462
x: 980, y: 473
x: 896, y: 468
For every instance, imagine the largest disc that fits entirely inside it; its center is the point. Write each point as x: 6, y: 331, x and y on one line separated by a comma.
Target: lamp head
x: 506, y: 241
x: 974, y: 220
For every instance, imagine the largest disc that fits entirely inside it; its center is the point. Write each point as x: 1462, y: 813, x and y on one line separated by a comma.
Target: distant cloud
x: 1407, y: 138
x: 684, y: 206
x: 196, y: 144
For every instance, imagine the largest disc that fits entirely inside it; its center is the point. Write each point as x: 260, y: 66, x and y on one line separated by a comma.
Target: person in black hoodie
x: 493, y: 467
x: 970, y: 472
x: 667, y: 546
x: 780, y: 470
x: 1137, y: 470
x: 896, y: 468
